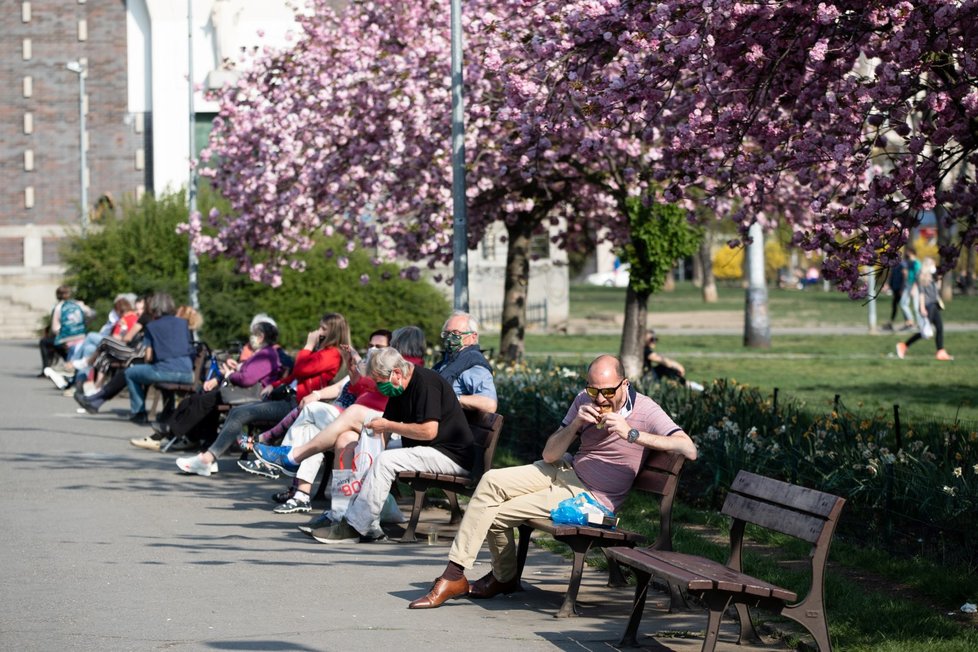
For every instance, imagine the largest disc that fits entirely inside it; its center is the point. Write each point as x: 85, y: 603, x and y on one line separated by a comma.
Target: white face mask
x: 254, y: 342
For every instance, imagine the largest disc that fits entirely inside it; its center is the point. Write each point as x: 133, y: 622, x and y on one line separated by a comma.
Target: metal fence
x: 490, y: 314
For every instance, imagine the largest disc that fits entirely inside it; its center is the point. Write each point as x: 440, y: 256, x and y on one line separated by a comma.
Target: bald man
x: 617, y: 428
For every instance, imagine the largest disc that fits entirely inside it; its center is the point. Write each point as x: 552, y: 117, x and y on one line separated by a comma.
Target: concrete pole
x: 81, y: 69
x: 757, y: 323
x: 872, y: 292
x: 192, y: 290
x: 459, y: 217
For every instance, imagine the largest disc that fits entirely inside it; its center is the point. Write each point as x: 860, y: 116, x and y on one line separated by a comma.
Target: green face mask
x: 389, y: 389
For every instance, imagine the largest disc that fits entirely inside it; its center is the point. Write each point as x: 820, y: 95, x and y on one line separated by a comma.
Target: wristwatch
x: 633, y: 436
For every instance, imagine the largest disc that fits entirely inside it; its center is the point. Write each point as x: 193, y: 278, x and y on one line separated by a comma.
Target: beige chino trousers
x: 504, y: 499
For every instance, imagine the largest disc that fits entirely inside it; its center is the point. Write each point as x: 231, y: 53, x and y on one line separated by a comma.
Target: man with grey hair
x: 463, y: 364
x: 422, y: 408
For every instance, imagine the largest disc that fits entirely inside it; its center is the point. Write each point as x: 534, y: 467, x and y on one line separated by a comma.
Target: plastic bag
x: 346, y: 483
x: 582, y: 509
x: 926, y: 328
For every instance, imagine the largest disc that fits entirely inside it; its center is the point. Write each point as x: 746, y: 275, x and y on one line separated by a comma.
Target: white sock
x: 301, y: 496
x: 289, y: 457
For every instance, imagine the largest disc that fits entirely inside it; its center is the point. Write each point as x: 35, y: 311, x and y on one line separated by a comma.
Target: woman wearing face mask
x: 315, y: 367
x: 198, y: 413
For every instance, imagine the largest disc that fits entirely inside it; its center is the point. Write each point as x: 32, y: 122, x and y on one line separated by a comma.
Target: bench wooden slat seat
x: 486, y: 428
x: 803, y: 513
x: 659, y: 476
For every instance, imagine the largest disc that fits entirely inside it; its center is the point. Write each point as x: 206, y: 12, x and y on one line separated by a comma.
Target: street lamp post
x: 459, y: 218
x: 192, y: 263
x: 80, y: 69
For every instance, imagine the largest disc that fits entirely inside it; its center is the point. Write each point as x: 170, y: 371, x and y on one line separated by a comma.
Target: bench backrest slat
x: 660, y: 473
x: 782, y: 507
x: 486, y: 428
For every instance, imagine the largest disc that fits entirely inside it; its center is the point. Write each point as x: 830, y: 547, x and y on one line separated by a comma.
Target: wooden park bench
x: 486, y: 428
x: 659, y: 476
x: 807, y: 514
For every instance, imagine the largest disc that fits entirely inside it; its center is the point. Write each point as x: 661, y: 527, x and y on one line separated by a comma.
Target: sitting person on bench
x: 169, y: 358
x: 424, y: 411
x: 198, y: 413
x: 463, y: 366
x: 617, y: 427
x: 316, y: 416
x: 315, y: 366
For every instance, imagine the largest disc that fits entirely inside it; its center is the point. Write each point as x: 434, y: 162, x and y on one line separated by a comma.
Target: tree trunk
x: 969, y: 274
x: 697, y: 270
x: 669, y: 283
x: 757, y: 324
x: 705, y: 258
x: 633, y: 333
x: 943, y: 240
x: 513, y: 327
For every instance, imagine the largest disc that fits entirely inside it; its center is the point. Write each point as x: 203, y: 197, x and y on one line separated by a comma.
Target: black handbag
x: 236, y: 395
x: 282, y: 393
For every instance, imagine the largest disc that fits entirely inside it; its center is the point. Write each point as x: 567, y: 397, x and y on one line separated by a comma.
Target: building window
x: 82, y: 30
x: 28, y: 86
x: 28, y: 160
x: 25, y: 12
x: 29, y: 197
x: 26, y: 50
x: 28, y: 123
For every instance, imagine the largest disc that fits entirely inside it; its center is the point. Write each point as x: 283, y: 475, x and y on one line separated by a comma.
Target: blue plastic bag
x: 582, y: 509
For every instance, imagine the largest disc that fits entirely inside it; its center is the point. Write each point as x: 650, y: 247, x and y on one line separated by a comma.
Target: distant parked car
x: 614, y: 279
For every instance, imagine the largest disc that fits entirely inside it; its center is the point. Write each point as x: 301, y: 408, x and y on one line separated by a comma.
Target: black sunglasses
x: 607, y: 392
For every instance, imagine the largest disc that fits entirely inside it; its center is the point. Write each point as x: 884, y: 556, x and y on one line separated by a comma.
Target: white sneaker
x: 56, y: 378
x: 195, y: 465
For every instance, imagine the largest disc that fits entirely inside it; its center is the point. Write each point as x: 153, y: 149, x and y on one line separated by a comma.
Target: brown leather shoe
x: 442, y: 591
x: 489, y: 586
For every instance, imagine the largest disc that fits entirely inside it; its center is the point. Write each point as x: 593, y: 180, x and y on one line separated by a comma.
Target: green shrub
x: 141, y: 251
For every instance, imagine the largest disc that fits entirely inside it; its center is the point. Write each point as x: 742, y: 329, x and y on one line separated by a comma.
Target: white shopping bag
x: 346, y: 483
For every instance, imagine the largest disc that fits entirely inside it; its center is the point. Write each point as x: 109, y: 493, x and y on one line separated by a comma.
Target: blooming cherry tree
x: 348, y: 132
x: 853, y: 117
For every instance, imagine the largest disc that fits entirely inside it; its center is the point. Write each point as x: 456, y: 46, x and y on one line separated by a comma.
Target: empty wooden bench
x: 486, y: 428
x: 807, y: 514
x: 659, y: 476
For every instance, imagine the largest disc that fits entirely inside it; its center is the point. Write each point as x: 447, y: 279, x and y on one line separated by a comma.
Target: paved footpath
x: 108, y: 547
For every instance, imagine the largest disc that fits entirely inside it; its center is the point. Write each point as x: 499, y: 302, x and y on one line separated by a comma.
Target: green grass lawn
x: 786, y: 307
x: 863, y: 369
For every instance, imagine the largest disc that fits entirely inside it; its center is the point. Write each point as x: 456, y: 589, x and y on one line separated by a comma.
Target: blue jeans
x: 139, y: 376
x: 240, y: 416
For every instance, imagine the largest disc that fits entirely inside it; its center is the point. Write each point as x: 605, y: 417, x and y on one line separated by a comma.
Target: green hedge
x: 140, y: 251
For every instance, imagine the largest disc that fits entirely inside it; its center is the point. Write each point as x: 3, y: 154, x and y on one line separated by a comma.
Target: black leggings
x: 934, y: 315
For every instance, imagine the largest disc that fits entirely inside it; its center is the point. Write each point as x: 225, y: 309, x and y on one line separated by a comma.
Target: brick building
x: 135, y: 58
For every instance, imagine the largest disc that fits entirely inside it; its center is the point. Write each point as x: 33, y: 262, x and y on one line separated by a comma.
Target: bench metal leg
x: 642, y: 583
x: 522, y: 549
x: 616, y: 578
x: 409, y: 533
x: 748, y: 633
x: 569, y: 608
x: 717, y: 604
x: 456, y: 510
x: 809, y: 614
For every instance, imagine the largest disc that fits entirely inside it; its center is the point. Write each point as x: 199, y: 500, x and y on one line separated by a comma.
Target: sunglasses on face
x: 445, y: 334
x: 607, y: 392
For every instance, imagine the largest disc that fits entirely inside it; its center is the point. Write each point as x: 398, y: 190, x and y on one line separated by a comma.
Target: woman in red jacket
x: 315, y: 366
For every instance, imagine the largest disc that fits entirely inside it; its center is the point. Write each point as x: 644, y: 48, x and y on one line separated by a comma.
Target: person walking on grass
x: 931, y: 307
